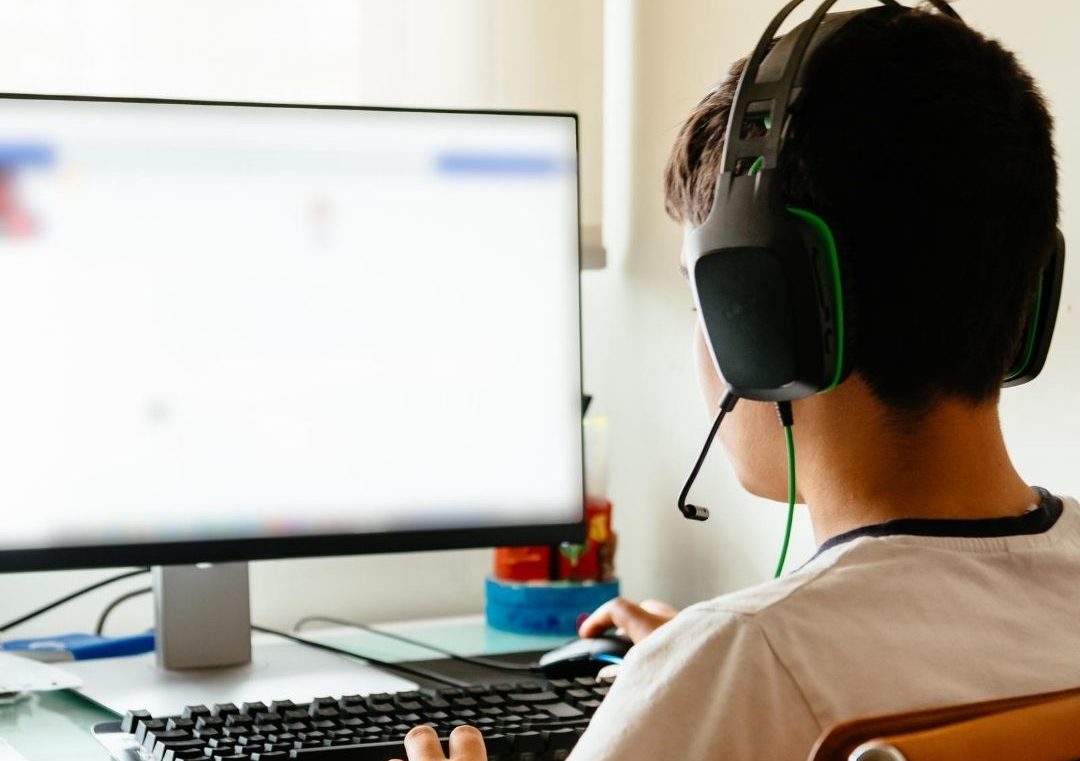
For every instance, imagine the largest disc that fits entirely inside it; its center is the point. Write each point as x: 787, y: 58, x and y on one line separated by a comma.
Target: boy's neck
x: 859, y: 468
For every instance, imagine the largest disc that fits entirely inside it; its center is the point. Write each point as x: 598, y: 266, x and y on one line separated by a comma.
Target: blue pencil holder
x: 551, y: 607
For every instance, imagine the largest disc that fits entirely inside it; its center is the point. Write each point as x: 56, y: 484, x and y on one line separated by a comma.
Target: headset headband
x: 773, y: 97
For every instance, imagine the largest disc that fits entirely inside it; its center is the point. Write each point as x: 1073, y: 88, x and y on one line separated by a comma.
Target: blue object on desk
x: 543, y: 608
x: 78, y: 646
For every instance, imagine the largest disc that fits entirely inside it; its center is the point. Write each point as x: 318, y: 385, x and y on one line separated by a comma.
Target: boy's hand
x: 636, y: 621
x: 466, y: 744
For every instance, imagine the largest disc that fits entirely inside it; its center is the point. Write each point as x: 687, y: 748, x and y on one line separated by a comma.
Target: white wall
x: 659, y: 57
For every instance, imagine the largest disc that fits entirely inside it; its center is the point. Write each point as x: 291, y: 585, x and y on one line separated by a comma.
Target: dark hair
x: 928, y: 147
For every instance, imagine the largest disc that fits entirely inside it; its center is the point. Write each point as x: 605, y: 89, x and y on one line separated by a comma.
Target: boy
x: 942, y: 577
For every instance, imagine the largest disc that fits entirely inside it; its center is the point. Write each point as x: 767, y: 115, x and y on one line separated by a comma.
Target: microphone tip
x: 695, y: 513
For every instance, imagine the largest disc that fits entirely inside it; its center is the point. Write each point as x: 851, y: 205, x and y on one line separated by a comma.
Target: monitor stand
x: 205, y: 655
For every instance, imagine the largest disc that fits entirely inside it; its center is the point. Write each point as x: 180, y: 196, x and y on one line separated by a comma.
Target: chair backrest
x: 1043, y: 727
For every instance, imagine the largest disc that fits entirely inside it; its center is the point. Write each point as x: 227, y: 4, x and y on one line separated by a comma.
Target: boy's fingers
x: 636, y: 621
x: 422, y: 744
x: 467, y: 744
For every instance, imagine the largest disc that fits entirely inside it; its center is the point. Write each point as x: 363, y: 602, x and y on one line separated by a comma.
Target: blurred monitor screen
x: 223, y: 322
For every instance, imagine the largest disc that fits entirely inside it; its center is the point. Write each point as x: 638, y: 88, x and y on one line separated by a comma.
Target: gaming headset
x: 767, y: 277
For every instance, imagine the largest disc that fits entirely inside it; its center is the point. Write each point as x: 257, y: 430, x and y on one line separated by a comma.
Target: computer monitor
x: 233, y: 331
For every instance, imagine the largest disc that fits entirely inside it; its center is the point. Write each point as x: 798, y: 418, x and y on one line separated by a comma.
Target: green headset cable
x: 787, y: 419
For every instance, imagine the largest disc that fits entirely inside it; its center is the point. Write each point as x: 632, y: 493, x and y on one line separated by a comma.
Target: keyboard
x: 523, y: 721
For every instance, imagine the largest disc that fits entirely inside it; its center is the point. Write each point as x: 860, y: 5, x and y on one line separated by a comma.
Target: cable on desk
x: 301, y: 640
x: 100, y: 627
x: 409, y: 670
x: 519, y: 668
x: 67, y: 598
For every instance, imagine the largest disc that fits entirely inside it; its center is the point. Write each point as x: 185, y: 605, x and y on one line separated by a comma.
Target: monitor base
x: 278, y: 671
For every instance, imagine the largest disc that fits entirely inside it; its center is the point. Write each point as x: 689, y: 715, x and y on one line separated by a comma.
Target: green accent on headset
x: 1029, y: 348
x: 767, y: 121
x: 829, y: 243
x: 759, y: 162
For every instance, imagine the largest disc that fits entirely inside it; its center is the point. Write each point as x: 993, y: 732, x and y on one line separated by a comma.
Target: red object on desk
x: 523, y: 563
x: 592, y: 561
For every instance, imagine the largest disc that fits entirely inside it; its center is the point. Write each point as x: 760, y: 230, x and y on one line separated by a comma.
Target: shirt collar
x: 1040, y: 518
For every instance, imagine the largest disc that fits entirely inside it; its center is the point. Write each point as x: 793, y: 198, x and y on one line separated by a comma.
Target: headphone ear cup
x: 833, y: 286
x: 1039, y: 326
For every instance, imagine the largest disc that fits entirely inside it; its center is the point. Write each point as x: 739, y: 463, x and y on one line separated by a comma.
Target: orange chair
x: 1044, y: 727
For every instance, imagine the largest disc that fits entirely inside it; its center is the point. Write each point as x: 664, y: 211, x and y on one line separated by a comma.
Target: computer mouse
x: 584, y: 657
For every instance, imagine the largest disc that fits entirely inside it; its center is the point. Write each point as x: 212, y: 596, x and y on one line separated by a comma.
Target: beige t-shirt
x: 906, y: 615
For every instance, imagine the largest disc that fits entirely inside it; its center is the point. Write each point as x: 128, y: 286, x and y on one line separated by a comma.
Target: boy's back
x: 938, y: 613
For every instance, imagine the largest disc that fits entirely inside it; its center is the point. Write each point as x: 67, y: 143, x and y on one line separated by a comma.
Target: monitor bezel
x: 276, y: 548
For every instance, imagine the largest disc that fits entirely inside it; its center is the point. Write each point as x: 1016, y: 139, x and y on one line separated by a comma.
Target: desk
x: 56, y: 726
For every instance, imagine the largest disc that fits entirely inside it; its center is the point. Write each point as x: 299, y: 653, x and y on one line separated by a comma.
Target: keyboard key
x: 561, y: 739
x: 533, y: 697
x: 563, y: 711
x: 533, y: 686
x: 179, y: 750
x: 131, y: 720
x: 497, y: 744
x: 164, y: 743
x: 529, y: 742
x: 182, y: 754
x: 148, y: 725
x: 589, y: 706
x: 154, y: 736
